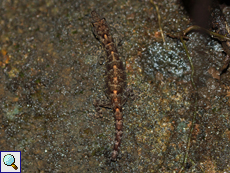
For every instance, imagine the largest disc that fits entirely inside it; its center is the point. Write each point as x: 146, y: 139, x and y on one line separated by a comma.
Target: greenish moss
x: 38, y: 81
x: 21, y: 74
x: 74, y: 32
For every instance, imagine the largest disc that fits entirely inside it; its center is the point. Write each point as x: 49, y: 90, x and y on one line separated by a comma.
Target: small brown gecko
x: 115, y: 78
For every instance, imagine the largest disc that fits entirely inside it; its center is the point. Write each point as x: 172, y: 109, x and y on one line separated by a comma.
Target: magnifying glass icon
x: 9, y: 160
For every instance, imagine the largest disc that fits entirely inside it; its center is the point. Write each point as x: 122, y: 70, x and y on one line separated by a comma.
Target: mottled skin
x: 115, y: 77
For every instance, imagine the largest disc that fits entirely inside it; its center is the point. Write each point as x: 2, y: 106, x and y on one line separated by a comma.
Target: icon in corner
x: 9, y: 160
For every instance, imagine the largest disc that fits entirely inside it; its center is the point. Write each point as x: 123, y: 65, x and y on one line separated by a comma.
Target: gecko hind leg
x: 128, y: 93
x: 98, y: 104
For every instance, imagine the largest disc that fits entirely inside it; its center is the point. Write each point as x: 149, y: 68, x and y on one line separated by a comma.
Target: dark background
x: 50, y: 76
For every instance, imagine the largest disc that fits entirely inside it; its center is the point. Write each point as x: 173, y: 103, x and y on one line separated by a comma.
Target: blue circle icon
x: 9, y: 160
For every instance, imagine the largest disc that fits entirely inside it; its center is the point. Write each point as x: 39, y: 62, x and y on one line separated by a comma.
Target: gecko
x: 115, y: 78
